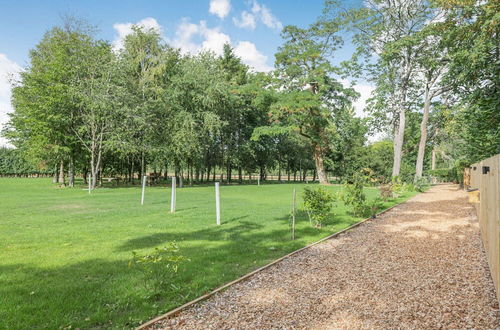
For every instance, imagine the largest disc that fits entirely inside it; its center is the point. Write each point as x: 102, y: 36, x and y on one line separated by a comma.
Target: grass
x: 64, y: 254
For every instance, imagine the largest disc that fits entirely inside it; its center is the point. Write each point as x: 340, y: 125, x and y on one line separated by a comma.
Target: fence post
x: 172, y: 198
x: 143, y: 188
x: 217, y: 202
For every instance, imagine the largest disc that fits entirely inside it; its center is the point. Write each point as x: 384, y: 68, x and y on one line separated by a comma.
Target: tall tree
x: 309, y: 92
x: 384, y: 29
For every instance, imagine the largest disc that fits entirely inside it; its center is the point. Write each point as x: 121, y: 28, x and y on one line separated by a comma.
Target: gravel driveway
x: 420, y: 265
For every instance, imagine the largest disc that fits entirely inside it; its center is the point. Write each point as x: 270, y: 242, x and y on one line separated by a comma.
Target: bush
x: 386, y: 192
x: 399, y: 187
x: 421, y: 184
x: 158, y: 267
x: 444, y: 174
x: 373, y: 206
x: 354, y: 196
x: 318, y: 204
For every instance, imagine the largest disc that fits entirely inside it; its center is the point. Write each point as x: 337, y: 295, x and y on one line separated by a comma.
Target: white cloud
x: 8, y: 69
x: 124, y: 29
x: 220, y: 7
x: 192, y: 38
x: 247, y: 20
x: 212, y: 38
x: 249, y: 55
x: 265, y: 16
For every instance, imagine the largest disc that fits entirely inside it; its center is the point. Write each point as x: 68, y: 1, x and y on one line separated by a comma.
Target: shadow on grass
x: 107, y: 293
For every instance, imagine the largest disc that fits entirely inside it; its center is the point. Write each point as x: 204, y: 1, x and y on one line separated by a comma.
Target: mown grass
x: 64, y: 254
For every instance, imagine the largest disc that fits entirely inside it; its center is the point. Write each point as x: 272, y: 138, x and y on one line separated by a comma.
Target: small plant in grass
x: 421, y: 184
x: 158, y: 267
x: 318, y: 204
x: 398, y: 186
x: 386, y: 192
x: 373, y: 206
x: 354, y: 197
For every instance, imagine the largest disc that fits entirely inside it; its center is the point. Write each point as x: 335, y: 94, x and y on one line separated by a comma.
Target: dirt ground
x: 420, y: 265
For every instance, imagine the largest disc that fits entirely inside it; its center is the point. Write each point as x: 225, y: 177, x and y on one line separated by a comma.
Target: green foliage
x: 386, y: 192
x: 443, y: 174
x: 318, y: 204
x: 398, y: 186
x: 158, y: 267
x: 421, y: 184
x: 373, y: 206
x: 12, y: 162
x: 354, y: 197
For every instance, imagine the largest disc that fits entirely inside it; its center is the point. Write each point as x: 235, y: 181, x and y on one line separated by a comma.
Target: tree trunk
x: 320, y: 167
x: 143, y: 165
x: 61, y: 179
x: 398, y: 143
x: 71, y: 172
x: 54, y: 177
x: 423, y: 134
x: 240, y: 175
x: 433, y: 159
x: 190, y: 174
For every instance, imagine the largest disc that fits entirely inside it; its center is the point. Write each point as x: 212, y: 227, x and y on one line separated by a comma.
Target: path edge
x: 177, y: 310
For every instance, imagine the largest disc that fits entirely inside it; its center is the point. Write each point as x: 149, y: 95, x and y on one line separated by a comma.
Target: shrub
x: 158, y: 267
x: 373, y: 206
x: 318, y: 204
x: 354, y: 196
x: 421, y: 184
x: 386, y: 192
x: 398, y: 187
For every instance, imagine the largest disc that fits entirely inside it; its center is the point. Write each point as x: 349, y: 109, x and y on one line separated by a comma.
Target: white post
x: 143, y: 188
x: 258, y: 180
x: 217, y: 202
x: 90, y: 183
x: 293, y: 215
x: 172, y: 198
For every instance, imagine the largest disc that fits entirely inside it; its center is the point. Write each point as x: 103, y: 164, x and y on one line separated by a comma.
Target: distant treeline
x: 12, y: 163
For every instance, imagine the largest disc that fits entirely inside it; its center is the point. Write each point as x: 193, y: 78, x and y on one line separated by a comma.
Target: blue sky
x: 251, y: 26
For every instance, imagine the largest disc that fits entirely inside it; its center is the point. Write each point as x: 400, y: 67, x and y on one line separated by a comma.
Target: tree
x: 98, y: 99
x: 45, y: 113
x: 385, y: 29
x: 309, y: 94
x: 470, y: 30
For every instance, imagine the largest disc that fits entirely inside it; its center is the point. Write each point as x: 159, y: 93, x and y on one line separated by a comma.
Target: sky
x: 252, y: 27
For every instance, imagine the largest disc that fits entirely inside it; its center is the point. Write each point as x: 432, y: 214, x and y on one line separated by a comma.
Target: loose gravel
x: 420, y: 265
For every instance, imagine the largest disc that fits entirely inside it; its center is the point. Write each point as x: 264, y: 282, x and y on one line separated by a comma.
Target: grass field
x: 64, y: 254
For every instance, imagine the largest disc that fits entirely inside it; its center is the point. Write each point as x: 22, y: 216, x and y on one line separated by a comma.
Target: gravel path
x: 421, y: 265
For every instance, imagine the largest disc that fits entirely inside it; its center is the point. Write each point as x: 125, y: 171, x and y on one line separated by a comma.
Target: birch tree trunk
x: 61, y: 179
x: 433, y: 159
x: 423, y: 134
x: 398, y: 143
x: 71, y: 172
x: 54, y: 177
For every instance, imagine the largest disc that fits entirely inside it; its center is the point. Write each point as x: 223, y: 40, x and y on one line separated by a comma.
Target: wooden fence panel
x: 485, y: 176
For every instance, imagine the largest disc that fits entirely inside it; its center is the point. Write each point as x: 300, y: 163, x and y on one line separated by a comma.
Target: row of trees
x: 83, y: 107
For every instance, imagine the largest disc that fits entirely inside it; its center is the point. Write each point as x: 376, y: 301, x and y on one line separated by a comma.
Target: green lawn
x: 64, y: 254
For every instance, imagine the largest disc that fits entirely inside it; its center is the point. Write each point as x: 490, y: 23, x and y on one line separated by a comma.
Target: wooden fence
x: 485, y: 176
